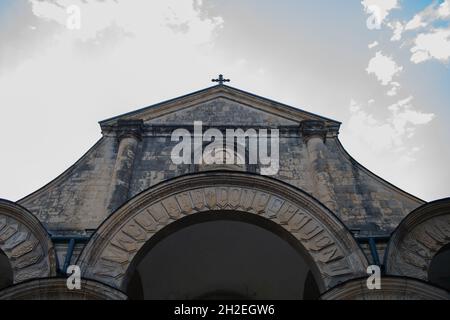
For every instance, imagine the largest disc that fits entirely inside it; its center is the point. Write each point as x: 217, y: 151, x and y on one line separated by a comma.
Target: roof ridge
x: 218, y: 88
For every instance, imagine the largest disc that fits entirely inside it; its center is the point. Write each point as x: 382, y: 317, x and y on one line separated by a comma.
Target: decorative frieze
x: 336, y: 257
x: 417, y: 240
x: 25, y: 243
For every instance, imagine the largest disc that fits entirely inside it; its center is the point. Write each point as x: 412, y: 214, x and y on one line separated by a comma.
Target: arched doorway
x: 24, y: 244
x: 6, y: 272
x: 421, y: 239
x: 226, y: 255
x: 439, y: 272
x: 113, y: 247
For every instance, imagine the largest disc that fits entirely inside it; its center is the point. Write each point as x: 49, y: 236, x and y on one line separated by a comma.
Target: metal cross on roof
x: 221, y: 79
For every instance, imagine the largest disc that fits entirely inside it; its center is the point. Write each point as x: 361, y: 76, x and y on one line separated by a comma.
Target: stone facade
x: 134, y: 155
x: 126, y: 188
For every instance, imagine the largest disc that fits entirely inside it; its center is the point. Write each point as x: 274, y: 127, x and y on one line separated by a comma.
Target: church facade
x: 145, y: 217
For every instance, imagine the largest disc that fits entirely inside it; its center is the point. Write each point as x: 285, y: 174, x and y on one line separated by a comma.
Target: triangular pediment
x: 220, y: 105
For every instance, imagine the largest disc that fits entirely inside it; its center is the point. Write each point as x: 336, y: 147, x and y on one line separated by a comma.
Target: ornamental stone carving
x: 392, y: 288
x: 418, y: 238
x: 56, y: 289
x: 26, y: 243
x: 336, y: 255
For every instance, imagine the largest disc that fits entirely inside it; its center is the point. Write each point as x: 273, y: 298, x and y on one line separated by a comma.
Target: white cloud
x: 444, y: 9
x: 398, y: 29
x: 393, y: 134
x: 384, y: 143
x: 425, y: 19
x: 429, y: 15
x: 436, y: 11
x: 415, y: 23
x: 135, y: 17
x: 383, y: 67
x: 373, y: 44
x: 394, y: 89
x: 381, y: 8
x: 125, y: 56
x: 433, y: 45
x: 390, y: 141
x: 404, y: 118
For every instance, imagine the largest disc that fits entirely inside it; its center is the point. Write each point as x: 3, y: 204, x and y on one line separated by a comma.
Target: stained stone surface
x: 117, y: 169
x: 115, y: 244
x: 56, y: 289
x: 126, y: 189
x: 393, y: 288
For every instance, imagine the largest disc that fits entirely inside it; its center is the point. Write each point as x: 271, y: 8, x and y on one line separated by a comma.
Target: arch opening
x: 6, y: 272
x: 439, y: 271
x: 335, y: 254
x: 226, y: 255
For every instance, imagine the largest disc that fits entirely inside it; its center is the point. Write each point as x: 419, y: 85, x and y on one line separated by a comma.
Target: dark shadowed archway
x: 6, y: 272
x: 225, y: 255
x: 439, y: 272
x: 328, y: 243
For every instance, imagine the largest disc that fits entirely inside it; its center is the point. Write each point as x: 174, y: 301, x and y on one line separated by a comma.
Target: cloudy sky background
x: 379, y: 66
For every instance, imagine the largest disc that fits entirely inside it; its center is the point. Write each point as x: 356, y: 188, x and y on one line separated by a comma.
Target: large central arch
x: 332, y: 248
x: 217, y: 255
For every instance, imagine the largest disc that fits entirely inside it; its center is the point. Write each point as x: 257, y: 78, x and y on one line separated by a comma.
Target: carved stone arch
x: 392, y: 288
x: 325, y: 239
x: 56, y: 289
x: 417, y: 239
x: 26, y: 243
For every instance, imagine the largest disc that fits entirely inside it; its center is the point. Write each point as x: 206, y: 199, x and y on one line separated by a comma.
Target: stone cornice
x: 139, y: 129
x: 125, y: 128
x: 313, y: 128
x: 227, y: 92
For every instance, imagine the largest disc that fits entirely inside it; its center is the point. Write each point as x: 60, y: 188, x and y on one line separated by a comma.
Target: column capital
x: 124, y: 129
x: 129, y: 128
x: 313, y: 128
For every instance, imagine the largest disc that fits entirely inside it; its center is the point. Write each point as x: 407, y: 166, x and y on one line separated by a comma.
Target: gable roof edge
x: 222, y: 86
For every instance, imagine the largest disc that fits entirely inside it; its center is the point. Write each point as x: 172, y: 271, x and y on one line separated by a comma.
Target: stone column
x: 314, y: 134
x: 128, y: 136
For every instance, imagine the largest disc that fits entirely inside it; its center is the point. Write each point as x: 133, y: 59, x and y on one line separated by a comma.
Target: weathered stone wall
x: 121, y: 166
x: 76, y: 199
x: 56, y: 289
x: 392, y: 288
x: 221, y: 111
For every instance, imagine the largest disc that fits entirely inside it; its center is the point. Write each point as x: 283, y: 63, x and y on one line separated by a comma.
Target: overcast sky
x: 379, y: 66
